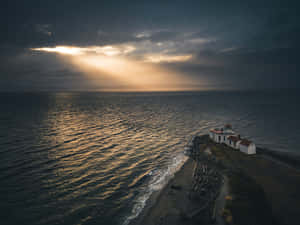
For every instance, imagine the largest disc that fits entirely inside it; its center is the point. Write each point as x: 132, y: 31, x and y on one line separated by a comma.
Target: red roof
x: 228, y: 126
x: 245, y: 142
x: 217, y: 131
x: 234, y: 138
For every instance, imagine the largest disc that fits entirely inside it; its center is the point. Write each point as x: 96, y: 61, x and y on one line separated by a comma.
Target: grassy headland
x: 220, y: 185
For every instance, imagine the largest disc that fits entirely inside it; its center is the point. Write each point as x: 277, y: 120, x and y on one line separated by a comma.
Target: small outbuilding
x: 234, y: 142
x: 227, y: 136
x: 247, y: 147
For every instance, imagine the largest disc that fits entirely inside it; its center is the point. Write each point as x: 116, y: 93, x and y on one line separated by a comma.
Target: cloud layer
x: 229, y: 45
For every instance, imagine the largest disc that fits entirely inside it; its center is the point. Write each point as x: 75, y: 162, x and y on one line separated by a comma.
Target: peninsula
x: 221, y: 185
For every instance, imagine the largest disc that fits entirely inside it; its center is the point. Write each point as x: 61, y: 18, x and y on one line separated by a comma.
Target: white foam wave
x: 159, y: 179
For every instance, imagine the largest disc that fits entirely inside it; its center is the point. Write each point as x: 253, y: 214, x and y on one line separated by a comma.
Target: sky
x: 63, y: 45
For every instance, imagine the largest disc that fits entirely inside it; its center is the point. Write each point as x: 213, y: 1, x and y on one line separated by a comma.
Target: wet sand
x: 172, y: 200
x: 280, y: 184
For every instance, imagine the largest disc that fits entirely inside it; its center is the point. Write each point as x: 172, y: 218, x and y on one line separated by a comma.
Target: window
x: 219, y: 138
x: 224, y: 138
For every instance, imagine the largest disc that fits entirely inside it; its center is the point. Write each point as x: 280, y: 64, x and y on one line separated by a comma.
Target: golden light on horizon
x: 68, y: 50
x: 112, y: 62
x: 107, y: 50
x: 137, y: 74
x: 167, y: 58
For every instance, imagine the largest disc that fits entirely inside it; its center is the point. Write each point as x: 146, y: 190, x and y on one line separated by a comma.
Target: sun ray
x: 113, y: 62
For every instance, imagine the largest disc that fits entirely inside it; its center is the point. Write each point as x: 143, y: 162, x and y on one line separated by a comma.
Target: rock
x: 176, y: 187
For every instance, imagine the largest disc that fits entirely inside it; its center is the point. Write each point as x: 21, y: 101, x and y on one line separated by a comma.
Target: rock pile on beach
x: 207, y: 182
x: 219, y: 185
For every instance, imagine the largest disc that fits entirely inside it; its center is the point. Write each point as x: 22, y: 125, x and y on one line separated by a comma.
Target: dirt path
x: 280, y: 183
x: 220, y: 202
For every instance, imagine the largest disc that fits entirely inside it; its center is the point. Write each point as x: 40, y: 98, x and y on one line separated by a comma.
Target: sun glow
x: 167, y: 58
x: 114, y: 64
x: 67, y: 50
x: 136, y: 74
x: 107, y: 50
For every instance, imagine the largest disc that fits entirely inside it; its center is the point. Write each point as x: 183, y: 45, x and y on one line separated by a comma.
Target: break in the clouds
x: 110, y: 51
x: 149, y: 45
x: 73, y: 50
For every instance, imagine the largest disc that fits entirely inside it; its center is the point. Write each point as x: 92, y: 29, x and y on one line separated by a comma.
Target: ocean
x: 96, y: 158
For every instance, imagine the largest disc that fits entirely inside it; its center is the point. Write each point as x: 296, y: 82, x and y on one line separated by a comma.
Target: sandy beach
x: 274, y: 190
x: 171, y: 200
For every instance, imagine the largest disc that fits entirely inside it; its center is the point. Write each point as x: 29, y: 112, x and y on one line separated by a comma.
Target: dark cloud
x: 238, y: 44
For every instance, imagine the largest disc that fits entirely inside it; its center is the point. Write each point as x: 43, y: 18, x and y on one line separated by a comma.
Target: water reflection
x: 86, y: 158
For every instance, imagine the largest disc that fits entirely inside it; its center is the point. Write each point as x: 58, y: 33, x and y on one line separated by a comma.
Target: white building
x: 227, y: 135
x: 234, y: 142
x: 220, y: 135
x: 247, y: 147
x: 216, y: 135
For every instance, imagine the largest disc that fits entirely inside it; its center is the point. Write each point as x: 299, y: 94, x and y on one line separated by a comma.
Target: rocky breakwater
x: 220, y: 185
x: 208, y: 180
x: 248, y: 199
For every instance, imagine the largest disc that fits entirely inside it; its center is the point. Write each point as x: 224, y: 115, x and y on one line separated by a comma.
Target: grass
x: 247, y: 203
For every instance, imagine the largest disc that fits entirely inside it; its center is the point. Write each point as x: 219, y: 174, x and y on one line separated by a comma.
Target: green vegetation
x: 247, y: 204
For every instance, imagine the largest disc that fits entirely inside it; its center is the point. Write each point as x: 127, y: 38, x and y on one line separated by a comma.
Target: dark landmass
x: 220, y: 185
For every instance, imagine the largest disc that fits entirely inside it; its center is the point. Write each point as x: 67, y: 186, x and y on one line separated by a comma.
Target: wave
x: 159, y: 179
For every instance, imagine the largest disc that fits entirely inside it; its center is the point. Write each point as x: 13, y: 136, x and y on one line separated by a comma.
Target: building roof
x: 217, y: 131
x: 245, y: 142
x: 234, y: 138
x: 221, y: 131
x: 228, y: 126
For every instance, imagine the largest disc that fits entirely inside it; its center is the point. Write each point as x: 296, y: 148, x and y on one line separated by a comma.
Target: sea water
x: 96, y: 158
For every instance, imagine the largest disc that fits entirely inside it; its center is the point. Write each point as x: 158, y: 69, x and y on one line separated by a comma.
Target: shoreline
x: 156, y: 197
x: 289, y: 159
x: 176, y: 203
